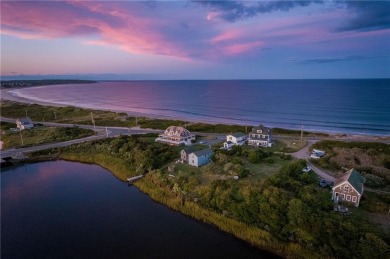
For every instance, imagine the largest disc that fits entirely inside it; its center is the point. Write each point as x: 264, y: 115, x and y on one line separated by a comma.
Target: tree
x: 254, y: 157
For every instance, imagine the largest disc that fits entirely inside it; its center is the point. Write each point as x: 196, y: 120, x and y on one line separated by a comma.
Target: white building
x: 24, y: 123
x: 236, y: 139
x: 175, y: 135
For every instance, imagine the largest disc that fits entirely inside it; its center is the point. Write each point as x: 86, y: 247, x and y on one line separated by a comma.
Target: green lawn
x: 290, y: 145
x: 283, y: 145
x: 264, y: 169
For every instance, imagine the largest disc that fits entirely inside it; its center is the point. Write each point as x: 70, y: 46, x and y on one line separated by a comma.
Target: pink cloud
x: 170, y: 29
x: 107, y: 24
x: 227, y: 35
x: 239, y: 48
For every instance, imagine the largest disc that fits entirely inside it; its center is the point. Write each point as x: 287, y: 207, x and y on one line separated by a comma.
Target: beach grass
x: 370, y: 158
x: 67, y: 114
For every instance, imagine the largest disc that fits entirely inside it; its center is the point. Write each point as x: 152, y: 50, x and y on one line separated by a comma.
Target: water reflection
x: 61, y: 209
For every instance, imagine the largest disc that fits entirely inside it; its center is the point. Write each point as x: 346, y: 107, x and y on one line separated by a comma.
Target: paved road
x: 14, y: 151
x: 305, y: 155
x: 101, y: 132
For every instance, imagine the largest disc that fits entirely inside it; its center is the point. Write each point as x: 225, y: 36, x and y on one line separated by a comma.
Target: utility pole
x: 93, y: 121
x: 21, y: 136
x: 106, y: 132
x: 26, y: 113
x: 302, y: 133
x: 136, y: 121
x: 55, y: 116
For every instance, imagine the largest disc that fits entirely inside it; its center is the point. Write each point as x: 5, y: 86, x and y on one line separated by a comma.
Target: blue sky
x: 195, y: 39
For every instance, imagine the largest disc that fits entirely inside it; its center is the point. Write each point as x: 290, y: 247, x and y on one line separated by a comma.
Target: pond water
x: 61, y: 209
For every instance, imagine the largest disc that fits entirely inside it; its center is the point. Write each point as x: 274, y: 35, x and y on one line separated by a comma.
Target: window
x: 348, y: 197
x: 259, y: 131
x: 346, y: 188
x: 343, y: 196
x: 354, y: 198
x: 193, y: 161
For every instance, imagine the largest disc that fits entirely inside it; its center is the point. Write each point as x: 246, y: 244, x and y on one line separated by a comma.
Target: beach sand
x: 6, y: 95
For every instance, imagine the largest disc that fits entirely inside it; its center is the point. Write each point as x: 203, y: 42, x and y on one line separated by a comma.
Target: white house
x: 236, y: 139
x: 349, y: 188
x: 175, y: 135
x: 24, y: 123
x: 260, y: 136
x: 200, y: 157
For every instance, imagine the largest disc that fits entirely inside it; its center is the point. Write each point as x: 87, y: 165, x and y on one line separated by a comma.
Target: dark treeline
x: 23, y: 83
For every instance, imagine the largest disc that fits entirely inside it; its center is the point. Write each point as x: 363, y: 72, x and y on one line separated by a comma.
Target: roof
x: 189, y: 150
x: 354, y: 178
x: 203, y: 152
x: 176, y: 130
x: 262, y: 128
x: 238, y: 134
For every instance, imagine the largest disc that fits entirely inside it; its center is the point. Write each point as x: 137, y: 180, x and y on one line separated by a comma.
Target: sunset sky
x: 195, y: 39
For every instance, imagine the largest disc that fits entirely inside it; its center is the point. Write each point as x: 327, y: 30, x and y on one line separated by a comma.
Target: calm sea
x: 62, y: 209
x: 347, y: 106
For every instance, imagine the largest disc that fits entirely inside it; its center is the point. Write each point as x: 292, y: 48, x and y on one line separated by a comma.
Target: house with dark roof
x: 235, y: 139
x: 260, y: 136
x: 175, y: 135
x: 24, y: 123
x: 186, y: 152
x: 349, y: 188
x: 200, y: 157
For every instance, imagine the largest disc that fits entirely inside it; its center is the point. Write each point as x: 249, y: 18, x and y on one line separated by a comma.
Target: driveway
x: 305, y: 155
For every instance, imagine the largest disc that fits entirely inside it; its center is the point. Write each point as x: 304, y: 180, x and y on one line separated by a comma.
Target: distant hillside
x: 23, y: 83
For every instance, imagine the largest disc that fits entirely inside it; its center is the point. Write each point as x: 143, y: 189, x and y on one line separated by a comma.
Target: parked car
x: 314, y: 156
x: 306, y: 169
x: 323, y: 183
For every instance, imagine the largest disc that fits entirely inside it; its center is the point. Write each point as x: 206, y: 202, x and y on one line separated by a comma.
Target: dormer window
x: 259, y: 131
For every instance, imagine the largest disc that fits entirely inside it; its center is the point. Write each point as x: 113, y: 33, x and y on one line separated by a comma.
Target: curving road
x: 101, y: 132
x: 305, y: 155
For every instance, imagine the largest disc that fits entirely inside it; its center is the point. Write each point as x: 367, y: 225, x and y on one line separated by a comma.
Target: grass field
x: 40, y: 135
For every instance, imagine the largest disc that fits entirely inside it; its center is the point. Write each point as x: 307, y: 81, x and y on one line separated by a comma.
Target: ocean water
x: 344, y: 106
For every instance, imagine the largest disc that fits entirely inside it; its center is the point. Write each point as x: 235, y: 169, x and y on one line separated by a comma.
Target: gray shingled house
x: 349, y: 188
x: 186, y: 152
x: 260, y: 136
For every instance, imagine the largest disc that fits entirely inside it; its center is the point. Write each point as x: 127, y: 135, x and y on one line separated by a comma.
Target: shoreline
x: 6, y: 95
